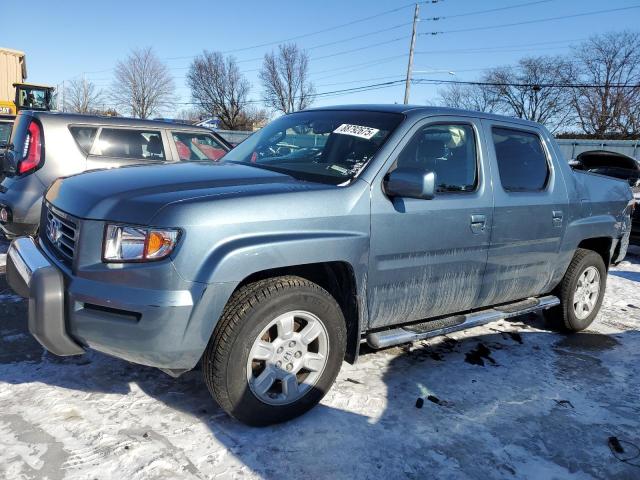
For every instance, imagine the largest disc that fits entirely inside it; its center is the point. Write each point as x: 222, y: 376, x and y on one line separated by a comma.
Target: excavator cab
x: 30, y: 96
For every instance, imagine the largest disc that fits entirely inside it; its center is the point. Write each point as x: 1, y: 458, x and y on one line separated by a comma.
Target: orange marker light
x: 155, y: 242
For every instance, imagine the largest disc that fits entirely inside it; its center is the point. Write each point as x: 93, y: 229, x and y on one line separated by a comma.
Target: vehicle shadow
x: 633, y: 276
x: 508, y: 400
x: 503, y: 402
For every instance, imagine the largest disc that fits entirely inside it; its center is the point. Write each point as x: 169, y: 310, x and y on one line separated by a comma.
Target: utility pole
x: 407, y: 85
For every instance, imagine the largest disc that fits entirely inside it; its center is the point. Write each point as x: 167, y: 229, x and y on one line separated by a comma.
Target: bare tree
x: 285, y: 81
x: 533, y: 90
x: 142, y: 85
x: 468, y: 97
x: 189, y: 115
x: 219, y: 89
x: 253, y: 118
x: 82, y: 96
x: 609, y: 67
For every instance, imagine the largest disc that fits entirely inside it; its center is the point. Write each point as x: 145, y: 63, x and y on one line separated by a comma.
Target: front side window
x: 522, y: 162
x: 327, y: 146
x: 198, y: 146
x: 447, y: 150
x: 129, y: 143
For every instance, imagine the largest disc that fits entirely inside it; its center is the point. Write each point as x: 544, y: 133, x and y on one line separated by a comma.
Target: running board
x: 442, y: 326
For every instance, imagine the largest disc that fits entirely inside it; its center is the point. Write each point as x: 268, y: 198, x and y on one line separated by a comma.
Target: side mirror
x: 411, y: 183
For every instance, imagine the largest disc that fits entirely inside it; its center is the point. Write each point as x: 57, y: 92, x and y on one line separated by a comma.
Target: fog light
x: 4, y: 215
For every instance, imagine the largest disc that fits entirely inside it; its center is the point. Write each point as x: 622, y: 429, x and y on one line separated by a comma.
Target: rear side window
x: 522, y: 161
x: 84, y: 136
x: 129, y: 143
x: 198, y: 146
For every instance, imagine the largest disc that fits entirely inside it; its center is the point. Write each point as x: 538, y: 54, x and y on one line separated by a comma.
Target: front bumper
x: 31, y: 275
x: 164, y: 328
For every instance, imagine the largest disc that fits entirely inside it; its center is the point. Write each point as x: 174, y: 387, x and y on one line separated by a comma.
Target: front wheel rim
x: 587, y: 293
x: 288, y: 358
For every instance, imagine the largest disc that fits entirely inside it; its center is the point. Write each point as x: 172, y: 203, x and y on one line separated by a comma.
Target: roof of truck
x: 426, y: 111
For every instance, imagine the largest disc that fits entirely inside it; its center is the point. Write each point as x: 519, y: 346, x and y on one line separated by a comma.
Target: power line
x: 363, y: 88
x: 335, y: 42
x: 528, y: 22
x: 398, y: 82
x: 490, y: 10
x: 435, y: 81
x: 506, y: 48
x: 501, y: 48
x: 317, y: 32
x: 357, y: 66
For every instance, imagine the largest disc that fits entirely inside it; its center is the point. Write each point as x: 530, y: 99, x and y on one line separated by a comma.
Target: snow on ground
x: 507, y: 400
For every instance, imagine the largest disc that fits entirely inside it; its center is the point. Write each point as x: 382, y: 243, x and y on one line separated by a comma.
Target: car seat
x: 154, y: 147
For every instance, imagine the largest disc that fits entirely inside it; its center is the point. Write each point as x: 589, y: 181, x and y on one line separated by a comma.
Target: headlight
x: 137, y: 244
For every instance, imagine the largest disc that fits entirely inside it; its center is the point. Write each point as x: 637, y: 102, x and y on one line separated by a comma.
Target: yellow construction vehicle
x: 15, y: 94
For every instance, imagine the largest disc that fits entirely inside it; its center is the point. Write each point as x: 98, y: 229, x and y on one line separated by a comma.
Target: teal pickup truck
x: 329, y: 227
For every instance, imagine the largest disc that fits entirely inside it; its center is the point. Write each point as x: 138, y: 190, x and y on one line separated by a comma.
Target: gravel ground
x: 507, y: 400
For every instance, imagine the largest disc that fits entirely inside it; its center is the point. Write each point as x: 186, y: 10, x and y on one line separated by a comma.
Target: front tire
x: 276, y: 350
x: 581, y: 292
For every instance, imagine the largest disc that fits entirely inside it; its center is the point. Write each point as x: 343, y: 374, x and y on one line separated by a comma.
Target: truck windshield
x: 328, y: 146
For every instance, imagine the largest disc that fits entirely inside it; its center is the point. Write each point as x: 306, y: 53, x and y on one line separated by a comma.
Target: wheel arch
x: 336, y: 277
x: 603, y: 246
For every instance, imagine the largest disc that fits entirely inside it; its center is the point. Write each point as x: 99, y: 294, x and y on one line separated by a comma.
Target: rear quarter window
x: 197, y: 146
x: 522, y: 161
x: 84, y: 137
x: 129, y: 143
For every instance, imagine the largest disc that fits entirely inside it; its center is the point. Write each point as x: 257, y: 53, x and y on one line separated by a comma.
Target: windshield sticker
x: 337, y: 168
x: 357, y: 131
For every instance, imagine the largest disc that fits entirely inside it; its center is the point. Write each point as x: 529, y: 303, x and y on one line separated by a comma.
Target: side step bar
x: 442, y: 326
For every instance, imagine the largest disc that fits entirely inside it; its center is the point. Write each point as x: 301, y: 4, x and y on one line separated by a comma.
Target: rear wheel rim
x: 585, y: 297
x: 288, y: 358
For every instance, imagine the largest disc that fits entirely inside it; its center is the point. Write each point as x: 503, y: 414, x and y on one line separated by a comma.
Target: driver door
x: 428, y: 257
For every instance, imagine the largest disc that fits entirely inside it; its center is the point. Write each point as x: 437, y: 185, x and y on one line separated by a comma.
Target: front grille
x: 61, y: 231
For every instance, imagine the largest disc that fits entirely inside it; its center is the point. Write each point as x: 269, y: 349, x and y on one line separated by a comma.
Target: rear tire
x: 581, y: 292
x: 276, y: 350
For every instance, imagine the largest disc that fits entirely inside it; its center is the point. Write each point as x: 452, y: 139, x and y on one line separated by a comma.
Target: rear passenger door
x: 529, y: 217
x: 119, y: 146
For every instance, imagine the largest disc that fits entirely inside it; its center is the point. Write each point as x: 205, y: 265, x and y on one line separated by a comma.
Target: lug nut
x: 297, y: 354
x: 280, y: 350
x: 289, y: 366
x: 278, y: 364
x: 292, y: 343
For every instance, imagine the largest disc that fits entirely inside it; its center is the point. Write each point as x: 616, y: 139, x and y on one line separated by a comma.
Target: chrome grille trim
x: 61, y: 232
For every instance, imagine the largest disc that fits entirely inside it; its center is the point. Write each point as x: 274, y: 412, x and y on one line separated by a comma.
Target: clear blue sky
x: 65, y: 39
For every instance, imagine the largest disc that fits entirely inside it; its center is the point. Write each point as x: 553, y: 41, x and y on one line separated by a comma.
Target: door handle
x: 478, y: 223
x: 557, y: 218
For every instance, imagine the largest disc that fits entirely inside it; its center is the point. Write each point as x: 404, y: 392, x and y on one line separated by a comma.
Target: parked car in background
x: 386, y: 223
x: 6, y: 125
x: 616, y: 165
x: 46, y: 145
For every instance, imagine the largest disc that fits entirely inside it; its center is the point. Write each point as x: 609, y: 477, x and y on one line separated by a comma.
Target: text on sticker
x: 356, y: 131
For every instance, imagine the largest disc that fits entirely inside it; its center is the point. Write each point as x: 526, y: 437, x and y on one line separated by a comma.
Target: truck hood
x: 135, y: 194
